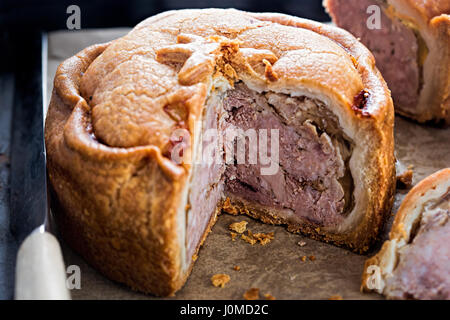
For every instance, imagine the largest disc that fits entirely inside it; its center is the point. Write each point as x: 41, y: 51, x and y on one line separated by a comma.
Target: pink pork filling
x: 423, y: 271
x: 312, y: 183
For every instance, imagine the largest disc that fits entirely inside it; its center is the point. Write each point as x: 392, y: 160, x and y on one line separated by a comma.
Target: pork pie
x: 411, y: 45
x: 128, y: 121
x: 415, y: 262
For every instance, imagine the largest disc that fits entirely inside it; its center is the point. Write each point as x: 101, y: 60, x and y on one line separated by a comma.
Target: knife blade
x: 40, y: 271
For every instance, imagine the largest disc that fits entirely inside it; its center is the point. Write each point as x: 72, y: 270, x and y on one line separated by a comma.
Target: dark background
x: 51, y: 15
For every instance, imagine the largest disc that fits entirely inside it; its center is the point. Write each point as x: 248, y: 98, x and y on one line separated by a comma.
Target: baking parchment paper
x: 276, y: 268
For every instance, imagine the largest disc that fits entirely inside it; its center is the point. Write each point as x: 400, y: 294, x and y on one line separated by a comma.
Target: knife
x: 40, y: 270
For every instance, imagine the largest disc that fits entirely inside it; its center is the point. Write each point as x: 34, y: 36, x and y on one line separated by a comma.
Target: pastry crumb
x: 301, y: 243
x: 229, y: 208
x: 317, y: 230
x: 262, y: 238
x: 252, y: 294
x: 195, y: 257
x: 336, y: 297
x: 249, y: 238
x: 312, y: 258
x: 268, y: 296
x: 303, y: 258
x: 237, y: 268
x: 233, y: 236
x: 220, y: 280
x: 404, y: 180
x: 238, y: 227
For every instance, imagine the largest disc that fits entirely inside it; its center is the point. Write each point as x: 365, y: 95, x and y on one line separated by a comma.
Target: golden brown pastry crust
x: 409, y: 213
x: 118, y: 197
x: 428, y: 9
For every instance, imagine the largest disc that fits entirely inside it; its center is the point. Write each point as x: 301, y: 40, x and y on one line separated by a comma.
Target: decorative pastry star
x: 196, y: 54
x: 199, y: 56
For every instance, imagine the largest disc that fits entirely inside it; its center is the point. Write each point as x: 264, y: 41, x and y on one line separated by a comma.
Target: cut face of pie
x: 415, y: 262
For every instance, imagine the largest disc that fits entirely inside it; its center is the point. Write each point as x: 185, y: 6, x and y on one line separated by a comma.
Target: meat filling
x: 312, y: 181
x: 423, y: 270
